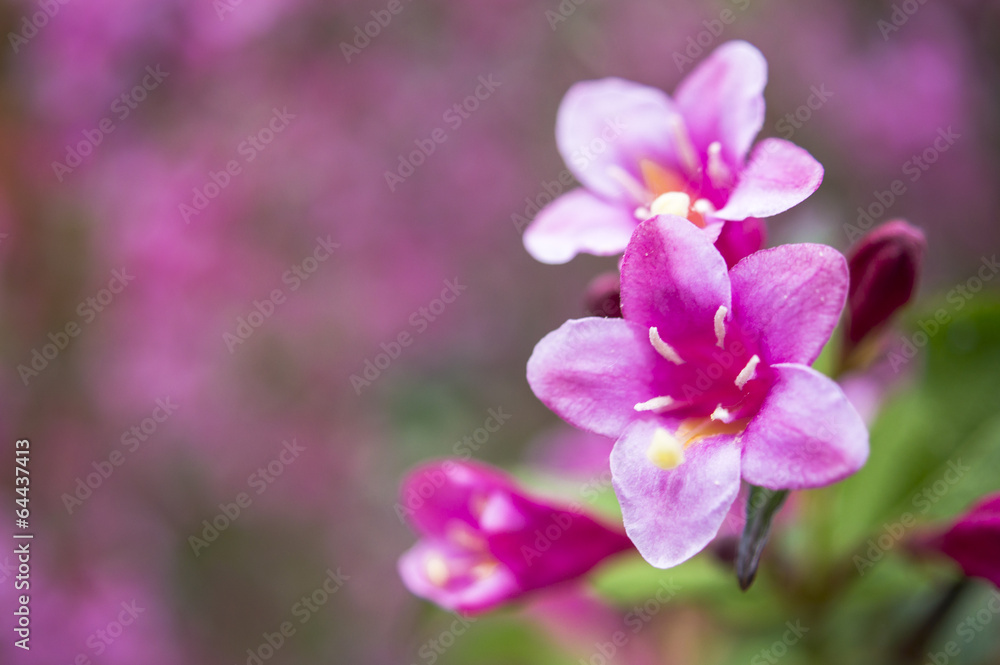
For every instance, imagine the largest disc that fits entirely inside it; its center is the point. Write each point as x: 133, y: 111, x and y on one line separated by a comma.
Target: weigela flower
x: 639, y: 153
x: 484, y: 541
x: 974, y: 540
x: 706, y: 380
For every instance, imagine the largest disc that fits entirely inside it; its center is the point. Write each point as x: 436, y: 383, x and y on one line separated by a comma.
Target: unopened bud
x: 604, y: 296
x: 884, y: 265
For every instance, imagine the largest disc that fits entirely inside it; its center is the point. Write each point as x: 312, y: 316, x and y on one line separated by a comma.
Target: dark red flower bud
x: 604, y: 296
x: 884, y: 266
x: 973, y: 541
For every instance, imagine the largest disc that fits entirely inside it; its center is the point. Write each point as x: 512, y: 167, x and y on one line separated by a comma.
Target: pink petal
x: 465, y: 593
x: 434, y: 495
x: 613, y: 123
x: 722, y: 100
x: 738, y: 240
x: 578, y: 222
x: 789, y: 298
x: 674, y: 278
x: 779, y: 175
x: 592, y: 372
x: 555, y: 545
x: 672, y: 515
x: 805, y: 435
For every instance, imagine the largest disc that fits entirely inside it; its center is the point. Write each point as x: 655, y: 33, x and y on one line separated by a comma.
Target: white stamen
x: 747, y: 372
x: 665, y: 450
x: 671, y: 203
x: 718, y: 172
x: 684, y: 146
x: 720, y: 327
x: 721, y: 413
x: 663, y: 348
x: 436, y: 569
x: 656, y: 404
x: 642, y: 213
x: 628, y: 181
x: 703, y: 206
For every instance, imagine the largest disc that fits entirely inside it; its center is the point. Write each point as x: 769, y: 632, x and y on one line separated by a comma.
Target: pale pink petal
x: 592, y: 372
x: 778, y: 176
x: 805, y: 435
x: 674, y: 278
x: 578, y: 222
x: 722, y: 100
x: 611, y: 124
x: 789, y: 298
x: 672, y: 515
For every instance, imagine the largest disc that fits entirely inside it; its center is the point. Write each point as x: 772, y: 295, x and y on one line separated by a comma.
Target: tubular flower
x: 639, y: 153
x: 484, y: 542
x: 705, y: 381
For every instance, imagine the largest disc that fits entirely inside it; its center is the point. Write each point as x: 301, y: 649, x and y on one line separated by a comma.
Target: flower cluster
x: 697, y: 357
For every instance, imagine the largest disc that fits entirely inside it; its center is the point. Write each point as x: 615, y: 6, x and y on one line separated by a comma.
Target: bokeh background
x: 136, y: 272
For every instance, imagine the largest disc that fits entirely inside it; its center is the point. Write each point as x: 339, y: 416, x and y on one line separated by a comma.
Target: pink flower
x: 638, y: 153
x: 705, y: 381
x: 485, y: 542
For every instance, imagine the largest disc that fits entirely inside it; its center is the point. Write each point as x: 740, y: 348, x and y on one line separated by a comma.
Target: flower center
x: 666, y: 450
x: 475, y: 560
x: 666, y: 192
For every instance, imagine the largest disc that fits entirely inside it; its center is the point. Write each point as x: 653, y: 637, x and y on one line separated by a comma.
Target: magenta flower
x: 706, y: 380
x: 485, y: 542
x: 638, y: 153
x: 974, y: 540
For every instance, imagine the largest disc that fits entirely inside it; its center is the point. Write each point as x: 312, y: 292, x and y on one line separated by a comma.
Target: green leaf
x: 762, y: 505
